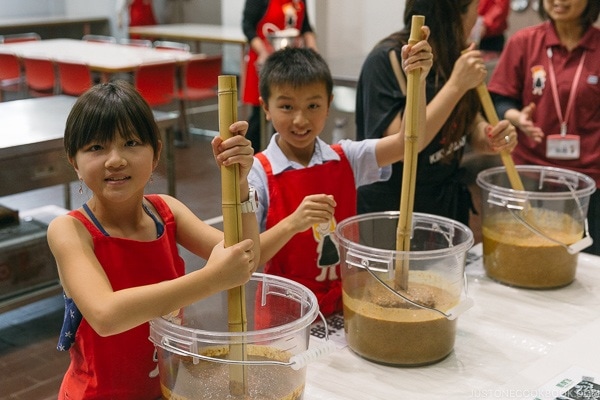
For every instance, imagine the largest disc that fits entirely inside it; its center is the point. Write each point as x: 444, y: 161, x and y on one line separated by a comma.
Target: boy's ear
x: 265, y: 107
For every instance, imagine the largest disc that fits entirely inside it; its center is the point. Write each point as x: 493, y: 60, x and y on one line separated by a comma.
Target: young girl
x: 117, y: 255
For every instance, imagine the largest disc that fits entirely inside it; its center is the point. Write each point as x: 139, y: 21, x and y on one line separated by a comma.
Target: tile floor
x: 30, y: 366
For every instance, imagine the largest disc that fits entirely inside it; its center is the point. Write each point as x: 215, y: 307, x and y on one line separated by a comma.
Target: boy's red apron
x: 299, y: 259
x: 100, y: 369
x: 276, y: 14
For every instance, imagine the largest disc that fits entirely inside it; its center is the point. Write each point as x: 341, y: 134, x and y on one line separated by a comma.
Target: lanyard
x: 563, y: 120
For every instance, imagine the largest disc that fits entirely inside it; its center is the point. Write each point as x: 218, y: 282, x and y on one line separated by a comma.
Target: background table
x: 56, y: 26
x: 192, y: 32
x: 106, y: 58
x: 508, y: 345
x: 31, y: 144
x: 198, y: 33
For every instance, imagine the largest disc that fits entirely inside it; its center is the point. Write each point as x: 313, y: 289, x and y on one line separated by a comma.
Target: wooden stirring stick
x: 409, y: 174
x: 232, y: 228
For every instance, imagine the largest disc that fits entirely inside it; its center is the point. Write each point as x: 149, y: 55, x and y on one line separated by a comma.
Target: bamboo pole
x: 492, y: 117
x: 409, y: 173
x: 232, y: 228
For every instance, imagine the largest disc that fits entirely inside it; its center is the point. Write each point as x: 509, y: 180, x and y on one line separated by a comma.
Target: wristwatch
x: 250, y: 205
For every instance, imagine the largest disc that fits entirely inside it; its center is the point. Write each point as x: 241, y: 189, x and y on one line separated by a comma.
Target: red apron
x: 123, y: 366
x: 311, y: 257
x: 140, y: 13
x: 282, y: 14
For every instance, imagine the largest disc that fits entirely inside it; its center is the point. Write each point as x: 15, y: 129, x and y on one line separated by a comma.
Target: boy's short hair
x: 294, y: 66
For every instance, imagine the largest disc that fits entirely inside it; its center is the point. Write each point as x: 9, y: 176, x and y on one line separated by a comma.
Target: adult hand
x: 418, y: 55
x: 502, y: 137
x: 469, y: 70
x: 525, y: 124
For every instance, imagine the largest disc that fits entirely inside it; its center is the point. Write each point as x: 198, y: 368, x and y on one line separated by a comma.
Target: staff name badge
x: 562, y: 147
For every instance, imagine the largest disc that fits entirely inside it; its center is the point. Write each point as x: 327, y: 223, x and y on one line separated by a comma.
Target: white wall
x: 30, y: 8
x: 349, y: 28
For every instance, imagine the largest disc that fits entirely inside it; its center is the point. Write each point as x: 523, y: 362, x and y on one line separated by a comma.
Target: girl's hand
x: 231, y: 266
x: 235, y: 150
x: 501, y: 137
x: 418, y: 55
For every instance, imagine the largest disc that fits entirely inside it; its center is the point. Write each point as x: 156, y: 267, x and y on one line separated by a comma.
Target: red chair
x: 156, y: 82
x: 40, y: 76
x: 74, y: 78
x: 200, y: 81
x: 19, y: 37
x: 10, y: 74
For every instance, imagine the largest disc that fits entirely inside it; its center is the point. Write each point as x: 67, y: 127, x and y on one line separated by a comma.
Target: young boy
x: 306, y: 186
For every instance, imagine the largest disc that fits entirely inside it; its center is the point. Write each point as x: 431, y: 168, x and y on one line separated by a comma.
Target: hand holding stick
x: 492, y: 117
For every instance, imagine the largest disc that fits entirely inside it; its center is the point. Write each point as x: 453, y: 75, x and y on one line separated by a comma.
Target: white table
x: 50, y: 25
x: 31, y: 144
x: 508, y: 345
x: 106, y: 58
x: 192, y: 32
x: 198, y: 33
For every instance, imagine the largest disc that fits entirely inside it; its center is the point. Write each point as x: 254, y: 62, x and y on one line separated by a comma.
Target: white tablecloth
x: 510, y: 344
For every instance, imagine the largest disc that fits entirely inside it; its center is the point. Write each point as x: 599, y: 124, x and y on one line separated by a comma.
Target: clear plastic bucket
x: 194, y: 345
x: 399, y: 326
x: 531, y: 238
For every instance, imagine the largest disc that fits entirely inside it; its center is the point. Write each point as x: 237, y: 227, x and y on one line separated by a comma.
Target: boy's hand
x: 235, y: 150
x: 314, y: 209
x: 418, y: 55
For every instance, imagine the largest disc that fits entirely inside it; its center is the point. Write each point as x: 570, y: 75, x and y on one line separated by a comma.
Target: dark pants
x: 492, y: 43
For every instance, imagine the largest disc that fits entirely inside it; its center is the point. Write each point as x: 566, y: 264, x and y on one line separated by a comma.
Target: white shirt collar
x: 279, y: 162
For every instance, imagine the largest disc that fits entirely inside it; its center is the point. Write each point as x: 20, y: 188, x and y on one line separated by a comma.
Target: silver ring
x: 507, y: 139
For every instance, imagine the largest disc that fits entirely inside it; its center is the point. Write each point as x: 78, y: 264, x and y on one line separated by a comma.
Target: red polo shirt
x: 522, y: 73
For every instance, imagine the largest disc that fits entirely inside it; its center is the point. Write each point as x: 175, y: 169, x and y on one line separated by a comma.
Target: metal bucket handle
x: 450, y: 314
x: 296, y: 362
x: 520, y: 204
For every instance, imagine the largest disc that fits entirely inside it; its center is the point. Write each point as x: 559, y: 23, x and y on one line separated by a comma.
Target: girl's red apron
x: 122, y: 366
x: 282, y: 14
x: 311, y: 257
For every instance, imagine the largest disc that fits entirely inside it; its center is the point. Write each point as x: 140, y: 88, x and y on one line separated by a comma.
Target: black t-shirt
x: 379, y: 100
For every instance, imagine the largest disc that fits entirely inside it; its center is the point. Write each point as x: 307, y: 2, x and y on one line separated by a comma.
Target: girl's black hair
x: 107, y: 110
